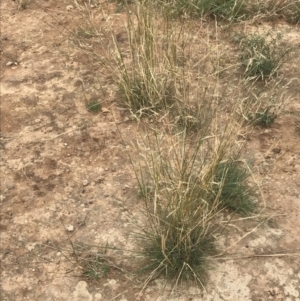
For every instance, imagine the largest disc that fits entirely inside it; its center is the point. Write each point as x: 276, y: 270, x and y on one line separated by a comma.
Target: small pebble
x: 85, y: 182
x: 69, y: 7
x: 70, y: 228
x: 10, y: 63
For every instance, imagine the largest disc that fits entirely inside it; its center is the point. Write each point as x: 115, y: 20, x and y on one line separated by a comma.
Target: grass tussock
x: 145, y: 78
x: 185, y: 183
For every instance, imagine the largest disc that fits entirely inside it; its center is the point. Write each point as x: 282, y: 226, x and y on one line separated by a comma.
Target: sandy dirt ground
x: 66, y: 181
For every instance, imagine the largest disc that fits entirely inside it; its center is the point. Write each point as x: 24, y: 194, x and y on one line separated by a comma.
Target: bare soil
x: 67, y: 182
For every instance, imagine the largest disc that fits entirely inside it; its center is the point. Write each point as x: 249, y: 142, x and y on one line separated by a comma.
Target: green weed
x: 95, y: 267
x: 93, y: 106
x: 85, y: 33
x: 264, y: 118
x: 262, y: 55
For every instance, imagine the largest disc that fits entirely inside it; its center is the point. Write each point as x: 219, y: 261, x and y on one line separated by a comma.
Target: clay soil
x: 67, y: 182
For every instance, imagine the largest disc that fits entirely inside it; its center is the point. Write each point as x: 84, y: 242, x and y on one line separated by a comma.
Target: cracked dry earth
x: 66, y: 181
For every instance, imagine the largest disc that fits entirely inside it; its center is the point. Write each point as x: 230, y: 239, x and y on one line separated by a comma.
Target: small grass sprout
x: 93, y: 106
x: 95, y: 267
x: 85, y: 33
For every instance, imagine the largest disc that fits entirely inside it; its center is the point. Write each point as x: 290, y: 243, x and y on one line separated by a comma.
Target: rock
x: 2, y: 197
x: 30, y: 246
x: 111, y: 282
x: 105, y: 110
x: 70, y: 7
x: 10, y: 63
x: 85, y: 182
x: 70, y: 228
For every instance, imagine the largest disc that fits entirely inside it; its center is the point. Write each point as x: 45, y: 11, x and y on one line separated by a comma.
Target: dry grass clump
x: 185, y: 182
x: 146, y: 76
